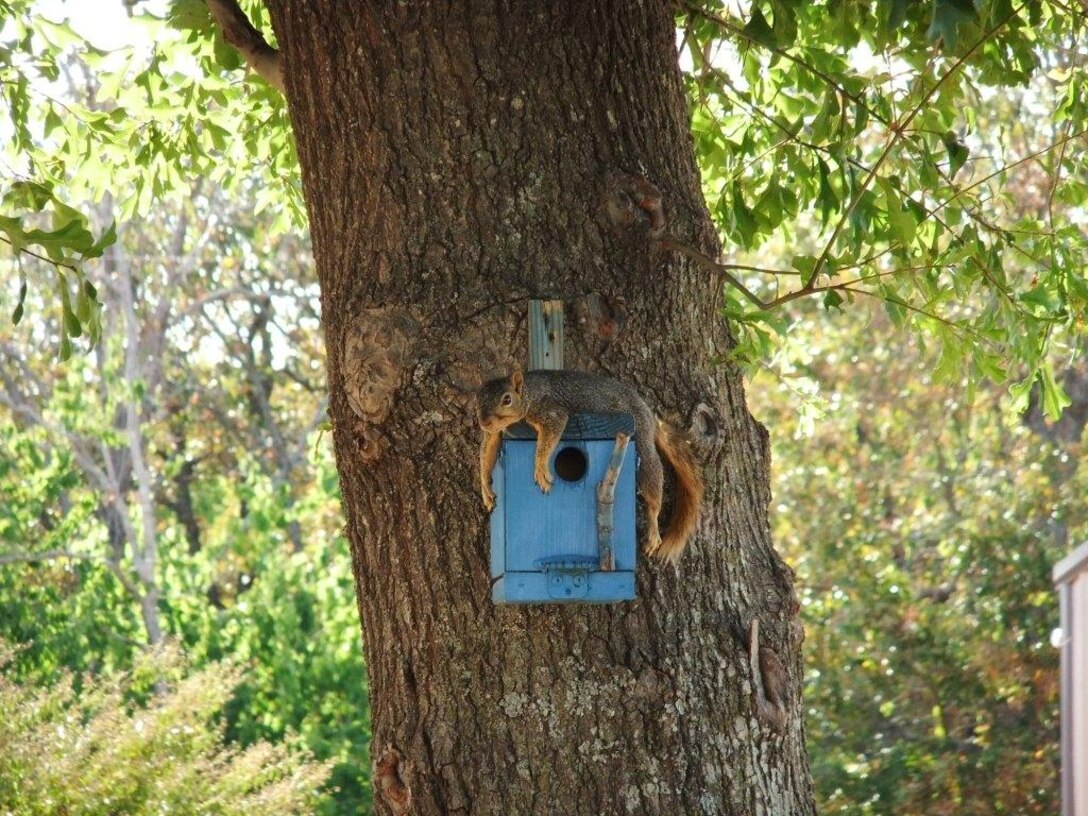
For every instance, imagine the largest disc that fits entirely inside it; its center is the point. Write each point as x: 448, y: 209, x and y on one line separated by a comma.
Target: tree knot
x: 377, y: 348
x: 770, y: 685
x: 389, y: 782
x: 631, y: 201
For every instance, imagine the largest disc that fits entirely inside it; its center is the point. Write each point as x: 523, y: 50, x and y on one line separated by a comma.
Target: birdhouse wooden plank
x: 576, y: 543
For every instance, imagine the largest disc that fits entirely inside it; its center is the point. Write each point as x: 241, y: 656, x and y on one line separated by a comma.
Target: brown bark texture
x: 456, y: 159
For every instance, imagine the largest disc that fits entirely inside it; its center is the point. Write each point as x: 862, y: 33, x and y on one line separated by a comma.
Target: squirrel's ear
x: 517, y: 381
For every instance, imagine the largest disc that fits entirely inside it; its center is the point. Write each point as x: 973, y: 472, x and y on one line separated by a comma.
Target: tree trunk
x: 454, y: 161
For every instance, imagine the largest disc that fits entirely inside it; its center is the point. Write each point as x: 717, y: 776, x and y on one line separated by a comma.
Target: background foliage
x: 923, y: 527
x: 111, y: 750
x: 901, y: 192
x: 921, y: 155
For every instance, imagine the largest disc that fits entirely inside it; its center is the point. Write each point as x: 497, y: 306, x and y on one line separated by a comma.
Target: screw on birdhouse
x: 545, y: 335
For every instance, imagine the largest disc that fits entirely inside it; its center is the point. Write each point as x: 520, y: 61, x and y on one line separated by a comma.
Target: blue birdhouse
x: 575, y: 544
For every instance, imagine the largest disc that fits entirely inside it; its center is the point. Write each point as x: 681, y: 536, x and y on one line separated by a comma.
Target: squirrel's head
x: 500, y: 403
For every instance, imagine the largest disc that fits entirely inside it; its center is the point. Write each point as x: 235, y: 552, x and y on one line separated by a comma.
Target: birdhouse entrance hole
x: 571, y: 464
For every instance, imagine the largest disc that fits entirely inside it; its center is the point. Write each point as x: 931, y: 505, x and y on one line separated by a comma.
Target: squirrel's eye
x: 507, y: 399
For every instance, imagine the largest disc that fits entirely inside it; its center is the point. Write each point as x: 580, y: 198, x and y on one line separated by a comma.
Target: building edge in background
x: 1071, y: 579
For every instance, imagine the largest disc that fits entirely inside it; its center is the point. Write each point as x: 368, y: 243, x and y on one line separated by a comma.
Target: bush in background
x: 116, y: 748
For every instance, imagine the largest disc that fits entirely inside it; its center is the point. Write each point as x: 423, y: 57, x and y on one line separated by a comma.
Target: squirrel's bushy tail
x: 689, y: 489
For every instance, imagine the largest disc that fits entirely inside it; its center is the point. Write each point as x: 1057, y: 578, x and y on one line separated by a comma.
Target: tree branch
x: 724, y: 270
x: 728, y: 25
x: 34, y: 254
x: 240, y: 292
x: 240, y: 32
x: 48, y: 555
x: 18, y: 405
x: 707, y: 262
x: 956, y: 327
x: 119, y: 572
x: 1004, y: 169
x: 898, y: 129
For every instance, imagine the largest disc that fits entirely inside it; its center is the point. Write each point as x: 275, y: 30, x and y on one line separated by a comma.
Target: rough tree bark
x: 455, y: 159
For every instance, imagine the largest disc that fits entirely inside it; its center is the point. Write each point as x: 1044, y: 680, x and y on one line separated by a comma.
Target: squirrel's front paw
x: 543, y: 480
x: 489, y: 499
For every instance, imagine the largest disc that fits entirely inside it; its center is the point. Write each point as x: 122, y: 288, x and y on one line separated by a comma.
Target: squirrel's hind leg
x: 651, y: 481
x: 653, y: 534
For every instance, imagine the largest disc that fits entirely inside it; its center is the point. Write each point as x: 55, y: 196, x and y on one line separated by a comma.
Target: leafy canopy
x: 129, y: 126
x: 859, y: 140
x: 849, y: 131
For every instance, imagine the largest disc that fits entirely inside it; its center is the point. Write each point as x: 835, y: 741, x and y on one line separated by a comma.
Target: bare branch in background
x: 48, y: 555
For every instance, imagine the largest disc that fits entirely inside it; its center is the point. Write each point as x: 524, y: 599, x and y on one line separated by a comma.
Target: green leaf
x: 827, y: 198
x: 990, y: 366
x: 1021, y: 393
x: 52, y: 121
x: 805, y: 264
x: 71, y: 324
x: 827, y: 118
x: 902, y: 224
x: 189, y: 15
x: 1054, y: 396
x: 1040, y: 295
x: 785, y: 22
x: 29, y: 195
x: 833, y: 300
x: 760, y: 30
x: 225, y: 54
x: 105, y: 240
x: 17, y: 315
x: 948, y: 16
x: 83, y: 308
x: 1035, y: 12
x: 13, y: 228
x: 900, y: 220
x: 770, y: 209
x: 948, y: 366
x: 72, y: 236
x: 897, y: 15
x: 957, y: 152
x: 744, y: 220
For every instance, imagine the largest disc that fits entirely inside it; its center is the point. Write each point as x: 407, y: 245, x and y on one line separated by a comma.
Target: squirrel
x: 545, y: 400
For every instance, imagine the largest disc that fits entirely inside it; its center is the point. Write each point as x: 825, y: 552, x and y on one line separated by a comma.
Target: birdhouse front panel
x: 564, y: 546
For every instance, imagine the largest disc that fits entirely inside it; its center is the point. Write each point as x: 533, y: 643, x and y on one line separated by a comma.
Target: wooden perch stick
x: 241, y: 33
x: 606, y: 500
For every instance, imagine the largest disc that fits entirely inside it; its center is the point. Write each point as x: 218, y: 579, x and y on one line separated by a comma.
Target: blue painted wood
x: 498, y: 522
x: 544, y: 547
x: 532, y: 587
